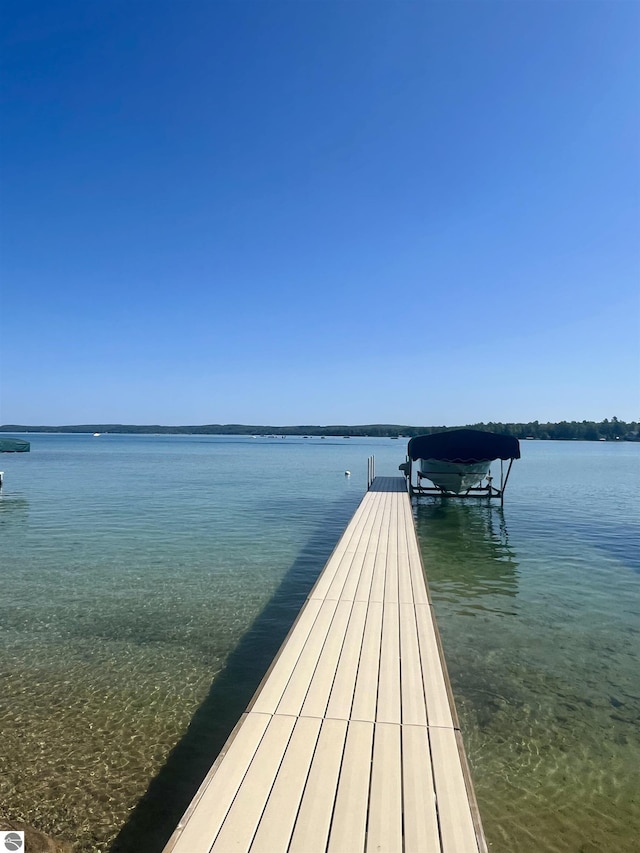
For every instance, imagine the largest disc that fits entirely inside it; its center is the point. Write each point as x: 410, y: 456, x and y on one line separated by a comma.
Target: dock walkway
x: 351, y: 742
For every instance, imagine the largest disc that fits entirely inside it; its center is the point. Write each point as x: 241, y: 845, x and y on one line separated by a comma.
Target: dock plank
x: 435, y: 689
x: 245, y: 813
x: 346, y: 581
x: 414, y: 709
x: 279, y: 816
x: 316, y: 809
x: 384, y: 827
x: 343, y: 687
x: 366, y: 688
x: 298, y: 685
x: 317, y: 698
x: 391, y: 571
x: 416, y: 571
x: 378, y: 581
x: 363, y: 589
x: 274, y: 686
x: 456, y: 823
x: 345, y: 548
x: 389, y: 692
x: 349, y: 823
x: 406, y: 593
x: 420, y: 815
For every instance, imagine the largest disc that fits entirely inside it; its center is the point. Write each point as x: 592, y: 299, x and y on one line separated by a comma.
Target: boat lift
x: 456, y: 463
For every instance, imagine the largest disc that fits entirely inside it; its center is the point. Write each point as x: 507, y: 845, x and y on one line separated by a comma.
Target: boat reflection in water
x: 474, y: 576
x: 466, y: 551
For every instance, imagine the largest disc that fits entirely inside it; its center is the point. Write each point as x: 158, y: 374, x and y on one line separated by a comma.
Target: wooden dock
x: 351, y: 743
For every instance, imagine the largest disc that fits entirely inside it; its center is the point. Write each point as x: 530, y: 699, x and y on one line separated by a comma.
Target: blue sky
x: 319, y: 212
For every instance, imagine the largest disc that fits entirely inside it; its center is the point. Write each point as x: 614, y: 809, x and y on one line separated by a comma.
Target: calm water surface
x: 148, y: 581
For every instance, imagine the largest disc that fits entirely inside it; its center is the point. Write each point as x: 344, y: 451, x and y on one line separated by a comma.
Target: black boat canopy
x: 464, y: 445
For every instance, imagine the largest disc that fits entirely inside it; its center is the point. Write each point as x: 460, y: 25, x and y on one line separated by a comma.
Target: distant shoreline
x: 607, y: 430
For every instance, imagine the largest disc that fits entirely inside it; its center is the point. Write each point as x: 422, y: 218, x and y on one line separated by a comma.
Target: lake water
x: 147, y: 582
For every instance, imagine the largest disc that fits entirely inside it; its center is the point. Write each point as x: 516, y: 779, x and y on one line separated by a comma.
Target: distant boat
x: 14, y: 445
x: 96, y: 434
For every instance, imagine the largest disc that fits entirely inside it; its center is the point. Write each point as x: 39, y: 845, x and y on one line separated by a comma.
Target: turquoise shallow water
x: 148, y: 581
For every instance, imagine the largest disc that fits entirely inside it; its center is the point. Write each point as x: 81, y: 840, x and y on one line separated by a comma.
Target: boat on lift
x: 458, y: 462
x: 13, y: 445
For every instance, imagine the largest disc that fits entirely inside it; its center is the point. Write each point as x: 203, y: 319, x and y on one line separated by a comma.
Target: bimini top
x: 464, y: 445
x: 14, y: 445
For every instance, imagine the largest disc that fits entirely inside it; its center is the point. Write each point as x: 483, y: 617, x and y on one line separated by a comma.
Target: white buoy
x: 347, y: 473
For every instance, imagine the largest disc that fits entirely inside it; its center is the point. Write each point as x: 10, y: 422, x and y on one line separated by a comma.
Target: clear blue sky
x: 319, y: 212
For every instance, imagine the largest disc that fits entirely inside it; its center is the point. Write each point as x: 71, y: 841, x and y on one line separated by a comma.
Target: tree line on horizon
x: 608, y: 430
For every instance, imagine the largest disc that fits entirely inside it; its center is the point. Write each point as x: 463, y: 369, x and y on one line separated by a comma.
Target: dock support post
x: 371, y: 471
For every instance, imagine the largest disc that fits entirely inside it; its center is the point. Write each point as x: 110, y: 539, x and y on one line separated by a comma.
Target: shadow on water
x: 157, y: 814
x: 465, y: 544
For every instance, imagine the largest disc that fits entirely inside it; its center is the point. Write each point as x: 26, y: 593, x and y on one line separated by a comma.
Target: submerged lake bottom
x: 148, y: 581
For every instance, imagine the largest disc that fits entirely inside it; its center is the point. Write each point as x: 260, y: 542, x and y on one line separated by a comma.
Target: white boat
x: 454, y: 477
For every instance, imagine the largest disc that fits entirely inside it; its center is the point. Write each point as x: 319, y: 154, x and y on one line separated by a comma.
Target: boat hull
x: 454, y: 477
